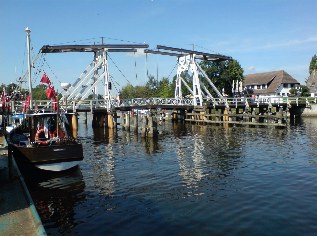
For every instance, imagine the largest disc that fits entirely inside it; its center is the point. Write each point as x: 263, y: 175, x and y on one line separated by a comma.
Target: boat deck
x: 18, y: 215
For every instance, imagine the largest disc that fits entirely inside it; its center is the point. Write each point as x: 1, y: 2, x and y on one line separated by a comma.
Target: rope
x: 147, y: 69
x: 168, y: 77
x: 119, y: 69
x: 75, y: 41
x: 94, y: 40
x: 136, y: 73
x: 51, y: 69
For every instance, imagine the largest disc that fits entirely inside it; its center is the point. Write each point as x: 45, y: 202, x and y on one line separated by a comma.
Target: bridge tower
x: 96, y: 72
x: 187, y: 63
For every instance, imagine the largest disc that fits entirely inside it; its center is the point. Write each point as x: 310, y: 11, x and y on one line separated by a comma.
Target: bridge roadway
x: 167, y: 103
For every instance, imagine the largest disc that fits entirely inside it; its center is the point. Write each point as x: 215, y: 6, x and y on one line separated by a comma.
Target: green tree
x: 164, y: 89
x: 222, y: 74
x: 152, y: 85
x: 305, y: 91
x: 313, y: 64
x: 39, y: 92
x: 127, y: 92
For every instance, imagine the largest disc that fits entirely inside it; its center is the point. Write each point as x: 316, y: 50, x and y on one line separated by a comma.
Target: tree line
x: 222, y: 74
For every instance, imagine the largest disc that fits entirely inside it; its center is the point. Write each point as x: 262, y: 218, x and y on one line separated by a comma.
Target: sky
x: 262, y: 35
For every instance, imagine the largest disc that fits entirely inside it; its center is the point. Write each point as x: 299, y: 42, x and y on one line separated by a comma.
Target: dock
x: 18, y: 215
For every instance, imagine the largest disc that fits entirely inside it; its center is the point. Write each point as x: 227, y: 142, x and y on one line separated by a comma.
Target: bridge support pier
x: 178, y: 115
x: 74, y: 125
x: 98, y: 119
x: 149, y: 127
x: 135, y: 122
x: 144, y: 126
x: 126, y: 121
x: 85, y: 120
x: 110, y: 122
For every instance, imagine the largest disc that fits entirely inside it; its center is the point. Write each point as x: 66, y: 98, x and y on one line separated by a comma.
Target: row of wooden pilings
x: 265, y: 115
x: 134, y: 121
x: 147, y: 124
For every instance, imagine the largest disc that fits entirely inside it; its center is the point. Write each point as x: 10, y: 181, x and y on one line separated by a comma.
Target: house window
x: 292, y: 85
x: 258, y: 86
x: 285, y: 85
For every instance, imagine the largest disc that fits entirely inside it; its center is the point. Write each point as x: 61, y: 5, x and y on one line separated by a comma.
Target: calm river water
x: 192, y: 180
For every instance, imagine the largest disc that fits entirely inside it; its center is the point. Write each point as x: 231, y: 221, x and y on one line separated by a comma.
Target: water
x: 192, y: 180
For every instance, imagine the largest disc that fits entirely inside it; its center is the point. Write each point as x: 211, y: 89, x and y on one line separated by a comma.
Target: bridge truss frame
x: 96, y: 72
x: 186, y: 62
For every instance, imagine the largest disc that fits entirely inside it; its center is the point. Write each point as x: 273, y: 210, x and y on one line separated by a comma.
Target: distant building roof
x: 272, y: 79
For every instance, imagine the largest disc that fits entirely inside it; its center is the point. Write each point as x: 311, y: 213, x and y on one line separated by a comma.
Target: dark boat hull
x: 53, y: 158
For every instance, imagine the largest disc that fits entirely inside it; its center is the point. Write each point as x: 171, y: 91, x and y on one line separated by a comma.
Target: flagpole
x: 57, y: 112
x: 28, y: 31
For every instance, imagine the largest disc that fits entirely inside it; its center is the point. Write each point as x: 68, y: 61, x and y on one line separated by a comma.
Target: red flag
x: 26, y: 104
x: 45, y: 79
x: 50, y: 92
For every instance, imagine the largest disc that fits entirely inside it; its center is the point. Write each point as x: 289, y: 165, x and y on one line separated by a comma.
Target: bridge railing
x: 17, y: 106
x: 152, y: 101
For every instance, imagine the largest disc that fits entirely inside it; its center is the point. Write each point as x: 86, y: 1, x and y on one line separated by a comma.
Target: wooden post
x: 102, y: 120
x: 174, y: 116
x: 110, y: 121
x: 85, y: 120
x: 74, y: 125
x: 152, y: 127
x: 128, y: 122
x: 144, y: 126
x: 135, y: 122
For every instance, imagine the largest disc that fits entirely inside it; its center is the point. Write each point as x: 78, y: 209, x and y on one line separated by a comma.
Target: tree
x: 152, y: 85
x: 127, y: 92
x: 164, y: 89
x: 313, y: 64
x: 302, y: 91
x: 305, y: 91
x: 222, y: 74
x: 39, y: 92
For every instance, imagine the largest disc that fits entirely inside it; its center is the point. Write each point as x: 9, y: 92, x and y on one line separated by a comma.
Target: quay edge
x: 18, y: 215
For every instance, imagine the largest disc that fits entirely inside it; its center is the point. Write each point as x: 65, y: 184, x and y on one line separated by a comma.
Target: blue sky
x: 263, y: 35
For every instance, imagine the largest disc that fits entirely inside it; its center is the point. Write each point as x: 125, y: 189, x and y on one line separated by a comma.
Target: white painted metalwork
x: 28, y: 35
x: 188, y: 64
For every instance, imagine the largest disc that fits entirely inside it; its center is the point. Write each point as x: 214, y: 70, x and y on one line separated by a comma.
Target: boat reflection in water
x: 56, y: 195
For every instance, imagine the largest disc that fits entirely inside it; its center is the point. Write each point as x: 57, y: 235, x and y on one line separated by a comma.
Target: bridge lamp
x: 65, y: 86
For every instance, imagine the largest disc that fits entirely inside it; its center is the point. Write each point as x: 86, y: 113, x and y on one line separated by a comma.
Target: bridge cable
x: 135, y: 68
x: 119, y: 69
x: 51, y: 70
x: 168, y: 77
x: 146, y: 65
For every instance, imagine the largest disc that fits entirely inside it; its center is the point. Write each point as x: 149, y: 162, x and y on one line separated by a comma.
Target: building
x: 311, y: 83
x: 274, y: 83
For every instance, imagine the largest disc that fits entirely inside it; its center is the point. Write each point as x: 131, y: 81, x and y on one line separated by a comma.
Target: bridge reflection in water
x: 191, y: 178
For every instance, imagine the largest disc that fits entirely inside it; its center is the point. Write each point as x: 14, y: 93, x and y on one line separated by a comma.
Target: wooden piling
x: 74, y: 125
x: 110, y: 121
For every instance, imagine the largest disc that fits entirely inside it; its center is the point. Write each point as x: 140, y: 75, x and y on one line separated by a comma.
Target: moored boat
x: 47, y: 141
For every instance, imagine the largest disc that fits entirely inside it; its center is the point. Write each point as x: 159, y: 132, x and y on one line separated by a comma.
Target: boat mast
x: 28, y: 31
